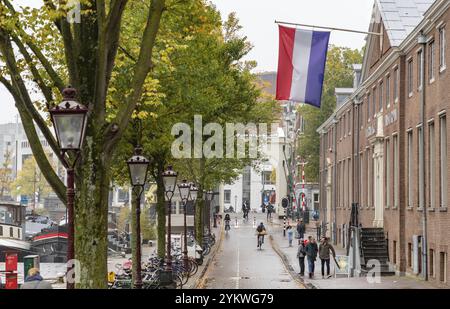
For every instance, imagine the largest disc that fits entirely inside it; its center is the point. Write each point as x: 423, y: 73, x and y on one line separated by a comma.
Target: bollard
x: 254, y: 222
x: 236, y: 224
x: 284, y: 226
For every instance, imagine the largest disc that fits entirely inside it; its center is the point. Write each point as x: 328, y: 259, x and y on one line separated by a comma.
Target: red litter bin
x: 11, y: 262
x: 11, y: 281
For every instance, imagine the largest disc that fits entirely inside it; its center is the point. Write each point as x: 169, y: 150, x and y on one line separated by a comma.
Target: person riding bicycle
x: 245, y: 209
x: 227, y: 222
x: 261, y: 231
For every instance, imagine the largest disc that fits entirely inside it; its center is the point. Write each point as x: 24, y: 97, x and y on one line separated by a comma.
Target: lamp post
x: 137, y: 168
x: 209, y: 197
x: 185, y: 189
x: 170, y: 180
x: 69, y: 119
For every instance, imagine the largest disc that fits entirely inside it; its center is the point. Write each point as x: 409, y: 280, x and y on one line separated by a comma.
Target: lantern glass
x: 193, y: 193
x: 69, y: 129
x: 169, y: 180
x: 184, y: 188
x: 138, y: 171
x: 209, y: 195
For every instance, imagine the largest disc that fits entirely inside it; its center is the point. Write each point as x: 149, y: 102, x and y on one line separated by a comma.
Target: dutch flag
x: 301, y: 65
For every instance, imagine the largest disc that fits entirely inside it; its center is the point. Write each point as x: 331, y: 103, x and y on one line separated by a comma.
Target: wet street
x: 239, y: 264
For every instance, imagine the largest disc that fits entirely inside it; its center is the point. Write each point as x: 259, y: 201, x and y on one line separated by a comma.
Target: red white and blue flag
x: 301, y: 65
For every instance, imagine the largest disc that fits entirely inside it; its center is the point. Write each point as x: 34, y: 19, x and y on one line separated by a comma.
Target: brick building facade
x: 370, y: 146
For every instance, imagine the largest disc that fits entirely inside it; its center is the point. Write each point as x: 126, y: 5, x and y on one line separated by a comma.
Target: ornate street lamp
x: 169, y: 179
x: 69, y: 119
x: 137, y: 168
x: 185, y: 189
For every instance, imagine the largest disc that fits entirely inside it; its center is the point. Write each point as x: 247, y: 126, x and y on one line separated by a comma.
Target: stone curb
x: 288, y: 266
x: 200, y: 282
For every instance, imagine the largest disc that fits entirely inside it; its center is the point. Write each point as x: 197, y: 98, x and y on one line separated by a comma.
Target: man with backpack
x: 301, y: 253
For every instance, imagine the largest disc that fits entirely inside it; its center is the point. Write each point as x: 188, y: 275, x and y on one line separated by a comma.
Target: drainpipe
x: 334, y: 182
x: 422, y: 40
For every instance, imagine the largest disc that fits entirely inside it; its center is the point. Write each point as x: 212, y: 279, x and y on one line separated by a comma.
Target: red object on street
x: 11, y: 281
x: 11, y: 262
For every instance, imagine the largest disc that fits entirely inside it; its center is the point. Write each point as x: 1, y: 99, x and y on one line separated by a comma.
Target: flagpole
x: 330, y: 28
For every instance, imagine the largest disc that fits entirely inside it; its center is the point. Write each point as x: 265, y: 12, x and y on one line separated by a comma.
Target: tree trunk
x: 161, y: 210
x: 91, y: 215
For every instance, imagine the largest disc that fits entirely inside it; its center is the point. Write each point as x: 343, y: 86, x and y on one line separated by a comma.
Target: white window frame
x: 442, y: 50
x: 431, y: 63
x: 443, y: 160
x: 409, y: 79
x: 431, y: 164
x: 388, y: 90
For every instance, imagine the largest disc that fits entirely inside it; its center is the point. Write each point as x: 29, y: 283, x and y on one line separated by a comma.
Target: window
x: 443, y: 266
x: 374, y: 102
x: 349, y: 123
x: 380, y: 97
x: 394, y: 252
x: 419, y: 180
x: 431, y: 52
x: 410, y: 254
x: 410, y: 77
x: 443, y: 160
x: 396, y: 78
x: 227, y: 196
x: 18, y: 233
x: 442, y: 43
x: 387, y: 173
x: 267, y: 178
x: 345, y: 126
x: 396, y: 167
x: 369, y: 179
x: 419, y: 69
x: 361, y: 177
x: 409, y: 164
x: 368, y: 107
x: 11, y: 232
x: 316, y: 197
x: 350, y: 185
x: 431, y: 165
x: 1, y: 230
x: 432, y: 274
x: 388, y: 91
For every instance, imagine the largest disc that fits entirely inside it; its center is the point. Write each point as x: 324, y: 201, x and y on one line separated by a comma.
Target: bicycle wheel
x: 193, y: 267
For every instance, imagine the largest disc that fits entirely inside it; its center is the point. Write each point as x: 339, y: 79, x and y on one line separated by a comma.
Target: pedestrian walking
x: 34, y: 281
x: 301, y: 228
x: 301, y: 253
x: 324, y: 254
x: 311, y: 254
x: 290, y: 233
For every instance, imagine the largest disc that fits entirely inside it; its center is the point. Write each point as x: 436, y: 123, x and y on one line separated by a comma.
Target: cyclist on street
x: 261, y: 231
x: 227, y: 222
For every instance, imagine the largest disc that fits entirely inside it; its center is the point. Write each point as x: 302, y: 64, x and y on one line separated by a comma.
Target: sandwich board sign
x: 342, y: 265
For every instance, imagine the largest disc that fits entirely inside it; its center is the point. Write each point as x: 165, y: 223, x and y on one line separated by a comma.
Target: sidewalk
x: 288, y: 255
x: 196, y: 281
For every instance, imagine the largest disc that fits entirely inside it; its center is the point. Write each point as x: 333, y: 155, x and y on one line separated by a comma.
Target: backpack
x: 259, y: 229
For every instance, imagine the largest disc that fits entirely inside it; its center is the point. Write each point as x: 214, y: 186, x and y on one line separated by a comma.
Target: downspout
x: 422, y: 40
x: 334, y: 181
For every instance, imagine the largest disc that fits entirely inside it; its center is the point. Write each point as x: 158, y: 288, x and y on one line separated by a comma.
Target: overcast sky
x: 257, y: 19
